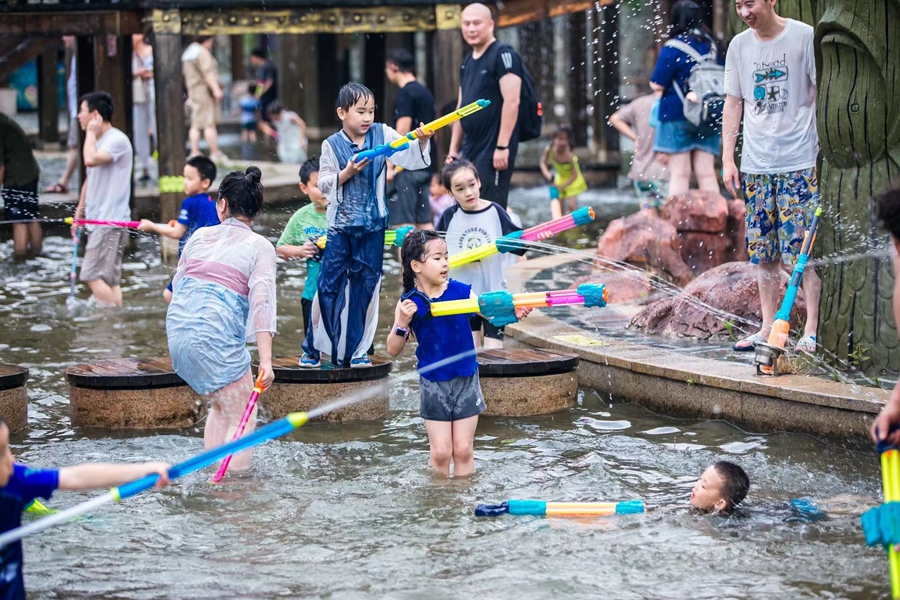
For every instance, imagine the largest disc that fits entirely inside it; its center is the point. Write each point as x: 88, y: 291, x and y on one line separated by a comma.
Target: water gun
x: 513, y: 241
x: 242, y: 425
x: 392, y: 237
x: 768, y: 354
x: 560, y: 509
x: 500, y: 307
x: 402, y: 143
x: 130, y: 224
x: 881, y: 525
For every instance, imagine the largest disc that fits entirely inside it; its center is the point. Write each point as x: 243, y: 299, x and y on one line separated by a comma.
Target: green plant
x: 729, y: 327
x: 859, y: 355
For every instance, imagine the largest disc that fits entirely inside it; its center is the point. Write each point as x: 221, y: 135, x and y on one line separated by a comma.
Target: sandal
x: 748, y: 344
x: 807, y: 344
x: 57, y: 188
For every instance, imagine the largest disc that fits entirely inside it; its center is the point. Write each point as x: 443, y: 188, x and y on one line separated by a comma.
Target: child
x: 225, y: 289
x: 357, y: 219
x: 250, y: 107
x: 290, y: 132
x: 721, y: 488
x: 450, y: 395
x: 197, y: 210
x: 648, y: 172
x: 20, y: 486
x: 306, y: 226
x: 569, y: 182
x: 472, y: 222
x: 438, y: 198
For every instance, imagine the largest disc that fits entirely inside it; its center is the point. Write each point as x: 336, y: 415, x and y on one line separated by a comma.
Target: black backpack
x: 531, y: 112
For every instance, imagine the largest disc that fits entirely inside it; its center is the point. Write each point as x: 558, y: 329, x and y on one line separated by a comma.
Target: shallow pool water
x: 351, y: 511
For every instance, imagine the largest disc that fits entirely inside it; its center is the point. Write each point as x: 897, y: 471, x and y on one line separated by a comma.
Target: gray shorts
x: 74, y: 131
x: 103, y: 255
x: 409, y: 202
x: 452, y: 400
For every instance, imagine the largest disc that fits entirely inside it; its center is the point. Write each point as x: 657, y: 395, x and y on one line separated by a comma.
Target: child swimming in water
x: 720, y: 488
x: 450, y: 395
x: 225, y: 294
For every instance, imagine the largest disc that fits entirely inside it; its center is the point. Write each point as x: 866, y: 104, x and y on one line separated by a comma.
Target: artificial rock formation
x: 644, y: 240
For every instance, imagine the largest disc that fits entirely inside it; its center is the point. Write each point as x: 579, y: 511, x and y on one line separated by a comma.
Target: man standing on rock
x: 489, y: 138
x: 770, y: 80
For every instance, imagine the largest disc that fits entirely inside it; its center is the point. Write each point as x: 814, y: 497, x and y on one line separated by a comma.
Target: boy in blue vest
x: 350, y: 278
x: 20, y: 486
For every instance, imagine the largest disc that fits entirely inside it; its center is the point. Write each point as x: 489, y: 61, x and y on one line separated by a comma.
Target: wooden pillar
x: 606, y: 96
x: 331, y: 79
x: 298, y: 77
x: 446, y: 59
x: 238, y: 58
x: 48, y: 95
x: 392, y: 41
x: 539, y: 56
x: 577, y: 73
x: 113, y: 56
x: 169, y: 108
x: 85, y: 79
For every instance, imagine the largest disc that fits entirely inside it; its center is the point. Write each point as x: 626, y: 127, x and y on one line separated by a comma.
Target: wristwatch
x: 401, y: 331
x: 498, y: 147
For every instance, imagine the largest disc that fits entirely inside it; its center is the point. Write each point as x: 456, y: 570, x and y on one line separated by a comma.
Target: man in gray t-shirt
x: 105, y: 195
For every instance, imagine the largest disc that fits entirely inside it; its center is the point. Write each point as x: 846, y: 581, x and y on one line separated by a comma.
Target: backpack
x: 531, y: 112
x: 707, y: 80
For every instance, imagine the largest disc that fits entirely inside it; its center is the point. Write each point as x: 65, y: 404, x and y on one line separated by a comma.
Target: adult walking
x: 690, y: 148
x: 266, y: 81
x: 201, y: 78
x: 105, y: 195
x: 770, y: 83
x: 489, y: 138
x: 19, y: 172
x: 144, y: 105
x: 413, y: 105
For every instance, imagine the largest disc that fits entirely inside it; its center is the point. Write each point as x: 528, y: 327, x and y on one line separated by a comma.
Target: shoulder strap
x: 686, y: 48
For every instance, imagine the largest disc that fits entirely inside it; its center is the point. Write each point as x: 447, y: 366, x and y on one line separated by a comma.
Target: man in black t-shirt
x: 414, y: 105
x: 266, y: 80
x: 490, y: 137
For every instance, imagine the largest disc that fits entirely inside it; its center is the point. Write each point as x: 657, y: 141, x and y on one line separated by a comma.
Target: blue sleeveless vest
x: 359, y: 210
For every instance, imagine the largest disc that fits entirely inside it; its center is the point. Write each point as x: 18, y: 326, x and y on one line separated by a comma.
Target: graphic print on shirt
x: 770, y: 93
x: 473, y: 237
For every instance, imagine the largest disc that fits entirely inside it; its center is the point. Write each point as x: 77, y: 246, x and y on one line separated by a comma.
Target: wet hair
x: 457, y: 165
x: 414, y: 249
x: 204, y: 166
x: 259, y: 53
x: 735, y: 483
x: 243, y: 192
x: 688, y: 18
x: 101, y: 102
x: 567, y: 131
x: 352, y: 93
x: 310, y: 166
x: 403, y: 59
x: 275, y: 107
x: 887, y: 209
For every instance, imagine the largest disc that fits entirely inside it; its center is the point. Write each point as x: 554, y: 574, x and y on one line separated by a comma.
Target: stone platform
x: 128, y: 393
x: 300, y: 389
x: 526, y: 382
x: 690, y: 386
x: 14, y: 396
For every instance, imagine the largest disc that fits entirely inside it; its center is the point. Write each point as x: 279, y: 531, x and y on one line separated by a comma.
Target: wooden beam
x: 48, y: 95
x: 71, y: 23
x: 169, y: 85
x: 519, y: 12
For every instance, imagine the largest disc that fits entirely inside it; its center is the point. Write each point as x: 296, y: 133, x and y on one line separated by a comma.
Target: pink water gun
x: 251, y: 404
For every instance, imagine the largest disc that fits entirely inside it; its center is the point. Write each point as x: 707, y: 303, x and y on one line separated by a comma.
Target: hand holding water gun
x: 503, y: 308
x: 425, y: 131
x: 881, y: 525
x: 392, y: 237
x: 514, y: 241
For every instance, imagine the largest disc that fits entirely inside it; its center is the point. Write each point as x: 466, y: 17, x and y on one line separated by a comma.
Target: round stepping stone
x: 14, y: 396
x: 300, y: 389
x: 525, y: 382
x: 131, y: 393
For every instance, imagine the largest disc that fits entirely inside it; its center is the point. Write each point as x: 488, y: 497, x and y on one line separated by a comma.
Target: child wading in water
x: 225, y: 289
x: 450, y: 395
x: 568, y: 182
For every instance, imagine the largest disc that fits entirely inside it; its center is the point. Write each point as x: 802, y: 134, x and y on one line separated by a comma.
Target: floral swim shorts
x: 780, y: 208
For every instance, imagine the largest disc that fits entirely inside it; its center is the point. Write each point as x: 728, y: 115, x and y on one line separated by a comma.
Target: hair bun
x: 252, y: 176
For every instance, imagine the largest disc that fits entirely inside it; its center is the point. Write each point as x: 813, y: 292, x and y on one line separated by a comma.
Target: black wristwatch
x: 401, y: 331
x: 498, y: 147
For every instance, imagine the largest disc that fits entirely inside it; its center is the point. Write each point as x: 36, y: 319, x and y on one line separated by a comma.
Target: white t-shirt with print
x: 108, y: 191
x: 777, y: 81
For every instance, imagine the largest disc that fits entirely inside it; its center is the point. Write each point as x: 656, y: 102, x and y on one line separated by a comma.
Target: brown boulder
x: 645, y: 240
x: 728, y: 292
x: 697, y: 211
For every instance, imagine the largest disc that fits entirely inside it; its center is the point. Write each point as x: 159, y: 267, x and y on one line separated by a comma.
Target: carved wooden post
x: 48, y: 95
x: 859, y: 132
x: 446, y: 56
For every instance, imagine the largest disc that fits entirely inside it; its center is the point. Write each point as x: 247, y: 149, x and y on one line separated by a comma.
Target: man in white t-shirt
x: 105, y: 195
x: 770, y: 79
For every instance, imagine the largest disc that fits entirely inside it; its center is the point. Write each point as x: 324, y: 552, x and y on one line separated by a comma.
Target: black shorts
x: 409, y: 201
x: 250, y: 126
x: 478, y: 322
x: 21, y: 201
x: 306, y: 307
x: 452, y: 400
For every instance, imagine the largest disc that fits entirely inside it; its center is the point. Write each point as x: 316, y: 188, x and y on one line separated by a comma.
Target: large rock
x: 645, y: 240
x: 625, y: 286
x: 697, y: 211
x: 698, y: 312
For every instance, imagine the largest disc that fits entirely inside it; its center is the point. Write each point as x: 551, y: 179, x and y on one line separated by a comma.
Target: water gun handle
x: 386, y: 150
x: 882, y: 446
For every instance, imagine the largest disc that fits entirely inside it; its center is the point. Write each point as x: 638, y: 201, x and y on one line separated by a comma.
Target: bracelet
x: 498, y: 147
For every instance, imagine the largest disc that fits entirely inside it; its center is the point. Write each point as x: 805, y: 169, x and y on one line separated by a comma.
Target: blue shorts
x: 675, y: 137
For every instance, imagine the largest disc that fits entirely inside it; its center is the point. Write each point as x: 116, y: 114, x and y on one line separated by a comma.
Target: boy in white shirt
x: 770, y: 80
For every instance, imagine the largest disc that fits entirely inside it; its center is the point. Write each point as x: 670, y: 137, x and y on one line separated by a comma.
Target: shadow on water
x: 351, y: 511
